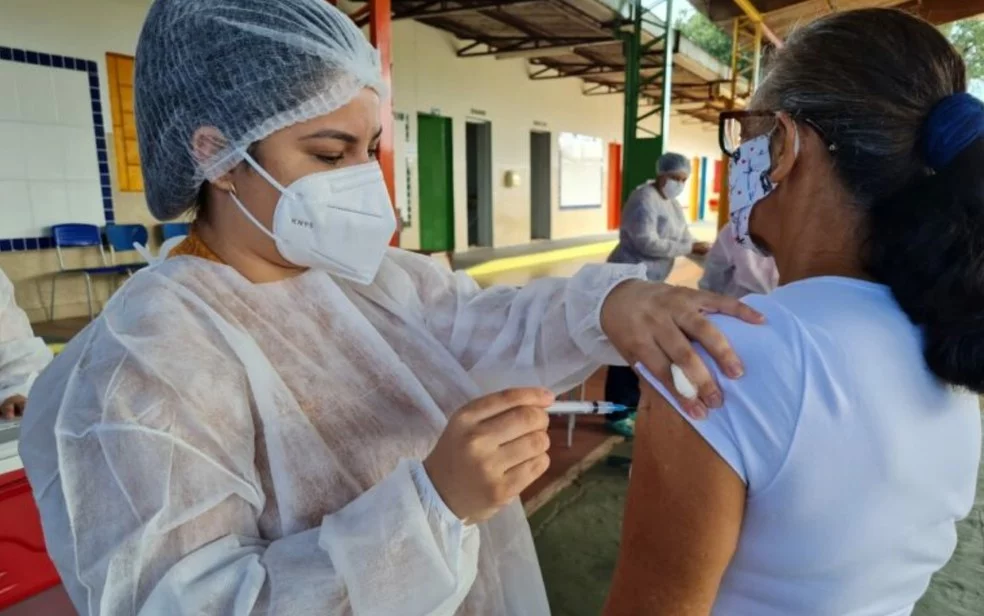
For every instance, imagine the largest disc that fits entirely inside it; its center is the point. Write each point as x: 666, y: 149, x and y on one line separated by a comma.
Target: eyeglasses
x: 736, y: 127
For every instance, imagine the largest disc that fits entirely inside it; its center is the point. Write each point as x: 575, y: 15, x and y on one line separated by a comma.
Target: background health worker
x: 22, y: 355
x: 653, y: 232
x: 286, y: 416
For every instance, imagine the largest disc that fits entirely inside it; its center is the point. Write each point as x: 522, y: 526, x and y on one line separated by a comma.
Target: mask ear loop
x: 249, y: 215
x: 283, y: 191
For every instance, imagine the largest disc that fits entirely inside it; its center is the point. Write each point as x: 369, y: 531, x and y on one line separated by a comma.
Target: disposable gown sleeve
x: 719, y: 271
x: 22, y: 355
x: 655, y: 230
x: 545, y: 334
x: 151, y: 500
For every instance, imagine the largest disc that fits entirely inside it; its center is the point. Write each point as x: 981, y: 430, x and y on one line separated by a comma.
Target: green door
x: 641, y: 168
x: 436, y: 186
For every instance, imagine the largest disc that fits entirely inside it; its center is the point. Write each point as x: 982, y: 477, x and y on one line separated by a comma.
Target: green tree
x: 703, y: 33
x: 968, y: 37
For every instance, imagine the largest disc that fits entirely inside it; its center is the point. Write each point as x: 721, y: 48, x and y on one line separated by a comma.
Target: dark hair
x: 869, y: 80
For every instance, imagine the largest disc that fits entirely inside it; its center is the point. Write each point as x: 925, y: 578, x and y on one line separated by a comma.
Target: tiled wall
x: 53, y: 159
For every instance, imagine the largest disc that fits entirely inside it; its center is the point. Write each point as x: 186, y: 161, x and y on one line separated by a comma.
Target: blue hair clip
x: 953, y: 124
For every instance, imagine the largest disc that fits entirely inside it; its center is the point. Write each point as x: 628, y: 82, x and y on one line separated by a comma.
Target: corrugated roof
x: 784, y: 15
x: 576, y: 39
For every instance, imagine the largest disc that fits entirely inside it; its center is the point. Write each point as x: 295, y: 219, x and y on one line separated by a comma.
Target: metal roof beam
x: 754, y: 14
x: 531, y: 47
x: 576, y: 70
x: 446, y: 8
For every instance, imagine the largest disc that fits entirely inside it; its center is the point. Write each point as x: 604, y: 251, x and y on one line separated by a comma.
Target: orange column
x: 380, y: 33
x: 614, y: 186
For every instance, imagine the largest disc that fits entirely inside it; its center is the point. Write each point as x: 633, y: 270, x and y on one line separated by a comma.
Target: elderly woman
x: 834, y: 479
x: 653, y: 232
x: 286, y: 417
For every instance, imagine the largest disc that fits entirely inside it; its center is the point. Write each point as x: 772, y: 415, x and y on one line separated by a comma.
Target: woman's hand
x: 491, y: 450
x: 651, y: 323
x: 12, y: 407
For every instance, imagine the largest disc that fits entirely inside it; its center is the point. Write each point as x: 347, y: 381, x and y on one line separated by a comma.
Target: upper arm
x: 690, y: 478
x: 682, y: 519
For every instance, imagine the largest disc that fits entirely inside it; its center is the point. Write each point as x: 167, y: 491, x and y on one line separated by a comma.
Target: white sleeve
x: 718, y: 269
x: 22, y: 355
x: 547, y: 333
x: 396, y: 549
x: 755, y: 428
x: 152, y: 502
x: 655, y: 230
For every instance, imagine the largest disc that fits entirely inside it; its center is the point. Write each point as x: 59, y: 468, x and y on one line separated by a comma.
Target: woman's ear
x: 205, y: 144
x: 785, y: 148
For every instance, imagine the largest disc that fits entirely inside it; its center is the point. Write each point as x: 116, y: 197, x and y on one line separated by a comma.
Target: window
x: 582, y: 171
x: 120, y: 70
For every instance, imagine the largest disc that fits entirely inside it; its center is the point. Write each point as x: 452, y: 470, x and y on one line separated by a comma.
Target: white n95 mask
x: 672, y: 189
x: 749, y: 183
x: 338, y: 221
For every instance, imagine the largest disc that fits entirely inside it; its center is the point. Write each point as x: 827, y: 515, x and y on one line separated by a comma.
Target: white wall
x: 429, y: 77
x: 86, y: 29
x: 49, y: 172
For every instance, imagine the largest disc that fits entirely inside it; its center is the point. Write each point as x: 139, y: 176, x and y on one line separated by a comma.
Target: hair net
x: 671, y: 162
x: 245, y: 69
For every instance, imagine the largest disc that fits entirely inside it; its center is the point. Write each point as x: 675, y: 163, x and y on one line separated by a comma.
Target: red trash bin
x: 25, y: 569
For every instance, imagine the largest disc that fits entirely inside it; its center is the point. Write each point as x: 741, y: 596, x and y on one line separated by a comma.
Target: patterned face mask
x: 749, y: 183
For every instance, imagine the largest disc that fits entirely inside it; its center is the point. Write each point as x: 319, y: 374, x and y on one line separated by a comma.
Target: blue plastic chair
x: 121, y: 239
x: 174, y: 229
x: 80, y: 236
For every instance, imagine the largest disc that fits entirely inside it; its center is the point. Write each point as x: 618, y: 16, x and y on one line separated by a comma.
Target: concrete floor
x: 578, y: 532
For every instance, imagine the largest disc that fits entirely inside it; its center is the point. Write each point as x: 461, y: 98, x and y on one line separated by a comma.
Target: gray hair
x: 867, y: 81
x: 671, y: 162
x: 868, y: 95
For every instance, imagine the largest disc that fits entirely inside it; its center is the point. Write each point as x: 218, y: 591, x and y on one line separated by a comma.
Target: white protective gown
x: 22, y: 354
x: 211, y: 446
x: 733, y: 270
x: 653, y: 231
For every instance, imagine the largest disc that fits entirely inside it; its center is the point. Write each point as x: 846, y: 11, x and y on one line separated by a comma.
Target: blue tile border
x: 37, y: 58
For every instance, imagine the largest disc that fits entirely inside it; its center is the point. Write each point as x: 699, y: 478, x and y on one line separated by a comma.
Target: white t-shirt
x: 858, y: 462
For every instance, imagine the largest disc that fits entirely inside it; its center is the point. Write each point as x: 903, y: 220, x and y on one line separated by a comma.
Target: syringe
x: 586, y: 408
